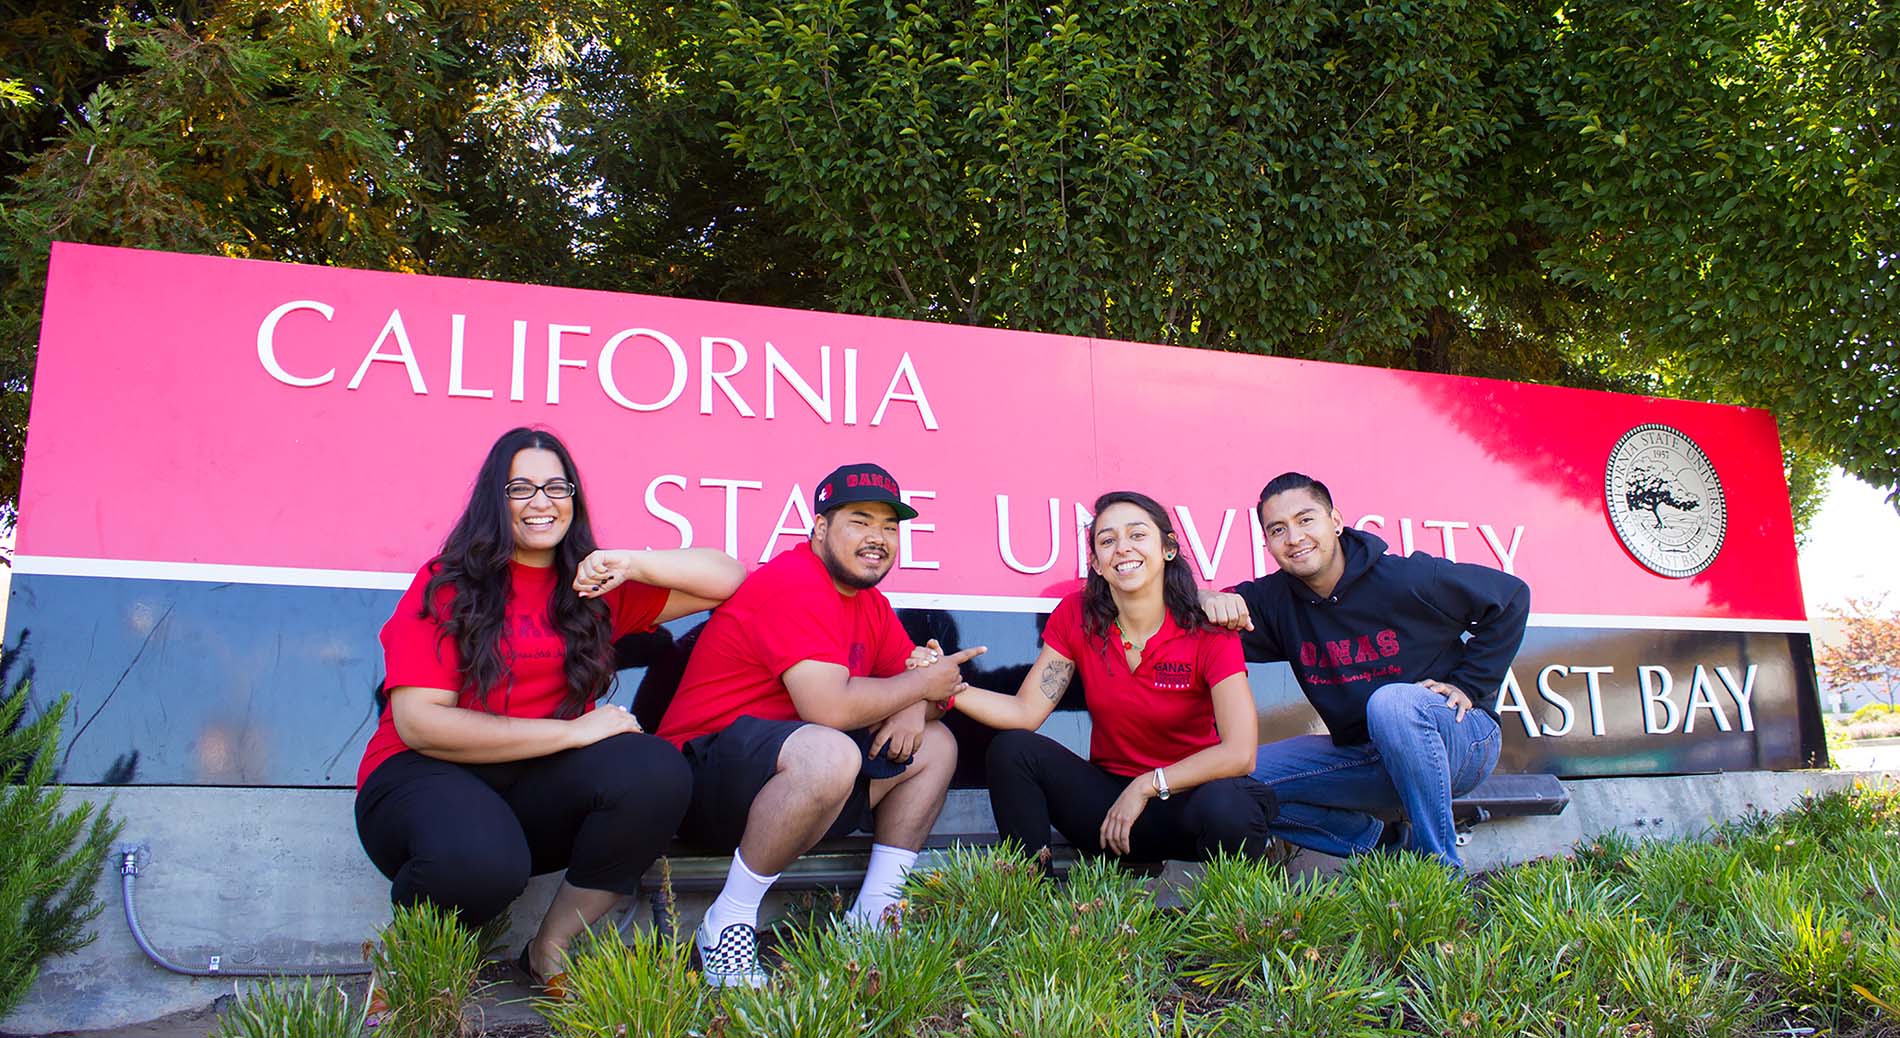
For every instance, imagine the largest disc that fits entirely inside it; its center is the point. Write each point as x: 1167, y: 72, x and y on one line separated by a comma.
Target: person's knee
x: 1011, y: 750
x: 639, y: 769
x: 477, y: 880
x: 821, y: 761
x: 939, y: 749
x: 1395, y: 708
x: 1230, y: 810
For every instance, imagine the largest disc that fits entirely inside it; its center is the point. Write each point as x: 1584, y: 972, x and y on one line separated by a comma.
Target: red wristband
x: 949, y: 703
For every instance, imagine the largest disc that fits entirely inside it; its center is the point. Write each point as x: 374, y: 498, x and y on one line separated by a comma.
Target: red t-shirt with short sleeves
x: 414, y: 653
x: 1163, y: 711
x: 786, y: 612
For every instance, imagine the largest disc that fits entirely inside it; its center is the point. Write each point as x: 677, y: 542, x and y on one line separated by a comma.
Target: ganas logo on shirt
x: 1174, y: 676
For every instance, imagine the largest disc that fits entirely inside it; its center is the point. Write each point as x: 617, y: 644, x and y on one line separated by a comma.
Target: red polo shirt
x: 1160, y: 713
x: 786, y: 612
x: 414, y: 653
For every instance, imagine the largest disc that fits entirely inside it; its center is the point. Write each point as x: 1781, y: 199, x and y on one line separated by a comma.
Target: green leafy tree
x: 1694, y: 199
x: 539, y: 142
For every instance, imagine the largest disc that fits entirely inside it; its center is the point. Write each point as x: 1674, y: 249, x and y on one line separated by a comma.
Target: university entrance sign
x: 233, y: 468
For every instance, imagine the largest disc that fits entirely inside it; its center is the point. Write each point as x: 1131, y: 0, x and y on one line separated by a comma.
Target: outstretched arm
x: 696, y: 579
x: 1041, y: 690
x: 827, y: 694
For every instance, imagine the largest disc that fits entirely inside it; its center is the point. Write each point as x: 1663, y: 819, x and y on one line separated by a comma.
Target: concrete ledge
x: 276, y: 877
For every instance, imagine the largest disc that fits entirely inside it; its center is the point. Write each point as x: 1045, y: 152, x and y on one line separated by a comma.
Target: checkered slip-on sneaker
x: 734, y: 960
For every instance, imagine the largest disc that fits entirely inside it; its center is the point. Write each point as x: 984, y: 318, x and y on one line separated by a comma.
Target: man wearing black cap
x: 800, y: 720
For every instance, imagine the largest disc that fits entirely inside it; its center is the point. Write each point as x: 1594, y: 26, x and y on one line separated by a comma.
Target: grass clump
x: 1242, y: 911
x: 282, y: 1010
x: 1405, y: 901
x: 1350, y: 996
x: 645, y: 986
x: 424, y: 970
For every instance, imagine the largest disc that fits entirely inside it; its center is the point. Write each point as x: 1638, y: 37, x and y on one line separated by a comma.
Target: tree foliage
x: 1867, y: 653
x: 1694, y: 199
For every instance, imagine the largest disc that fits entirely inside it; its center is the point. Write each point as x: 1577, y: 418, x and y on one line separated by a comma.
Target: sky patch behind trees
x: 1693, y: 200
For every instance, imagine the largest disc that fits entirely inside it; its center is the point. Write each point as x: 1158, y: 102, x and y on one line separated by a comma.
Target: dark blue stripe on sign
x: 192, y: 683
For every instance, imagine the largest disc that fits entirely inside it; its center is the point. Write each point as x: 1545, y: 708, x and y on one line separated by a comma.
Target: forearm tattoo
x: 1055, y: 679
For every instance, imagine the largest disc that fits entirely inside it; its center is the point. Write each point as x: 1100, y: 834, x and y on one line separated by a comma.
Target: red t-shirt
x: 1160, y: 713
x: 415, y: 654
x: 786, y: 612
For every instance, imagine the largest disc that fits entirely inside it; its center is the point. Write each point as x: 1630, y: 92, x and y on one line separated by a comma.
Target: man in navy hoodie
x: 1401, y: 657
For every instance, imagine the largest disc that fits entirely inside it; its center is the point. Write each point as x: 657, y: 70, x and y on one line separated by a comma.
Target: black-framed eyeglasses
x: 522, y: 490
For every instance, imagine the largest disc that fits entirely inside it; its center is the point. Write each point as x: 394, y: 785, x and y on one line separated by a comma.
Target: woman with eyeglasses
x: 492, y: 761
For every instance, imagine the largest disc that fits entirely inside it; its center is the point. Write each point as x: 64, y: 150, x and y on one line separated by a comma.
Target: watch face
x: 1665, y: 500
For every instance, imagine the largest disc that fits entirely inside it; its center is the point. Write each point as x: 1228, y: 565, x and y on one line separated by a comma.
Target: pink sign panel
x: 238, y: 420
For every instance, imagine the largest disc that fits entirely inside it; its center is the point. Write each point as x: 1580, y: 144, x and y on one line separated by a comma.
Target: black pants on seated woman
x: 1036, y: 782
x: 468, y: 836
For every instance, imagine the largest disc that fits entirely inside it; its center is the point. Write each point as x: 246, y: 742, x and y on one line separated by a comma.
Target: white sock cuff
x: 739, y: 865
x: 898, y: 856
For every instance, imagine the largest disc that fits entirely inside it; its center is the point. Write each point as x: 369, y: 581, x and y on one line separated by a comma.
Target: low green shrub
x: 1241, y: 911
x: 52, y: 856
x: 1309, y: 994
x: 646, y: 987
x: 425, y: 967
x: 278, y: 1009
x: 1405, y: 901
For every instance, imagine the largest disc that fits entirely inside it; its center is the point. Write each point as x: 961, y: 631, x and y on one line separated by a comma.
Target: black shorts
x: 732, y: 765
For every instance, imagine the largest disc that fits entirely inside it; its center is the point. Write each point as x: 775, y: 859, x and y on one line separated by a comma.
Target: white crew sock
x: 882, y: 880
x: 738, y: 901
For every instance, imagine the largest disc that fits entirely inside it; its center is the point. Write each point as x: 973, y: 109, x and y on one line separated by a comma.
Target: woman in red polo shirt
x: 1173, y: 729
x: 491, y: 762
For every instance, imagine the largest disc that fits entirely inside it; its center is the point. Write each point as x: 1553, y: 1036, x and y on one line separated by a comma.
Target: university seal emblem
x: 1665, y: 500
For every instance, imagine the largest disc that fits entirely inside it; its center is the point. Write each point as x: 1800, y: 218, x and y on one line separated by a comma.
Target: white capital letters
x: 458, y: 324
x: 1556, y: 698
x: 732, y: 487
x: 1593, y: 679
x: 1207, y: 565
x: 710, y: 376
x: 404, y: 355
x: 665, y: 514
x: 1744, y: 693
x: 1002, y: 533
x: 555, y: 360
x: 906, y: 555
x: 908, y: 372
x: 776, y: 364
x: 1507, y: 557
x: 796, y: 507
x: 606, y: 373
x: 1650, y: 678
x: 1511, y: 701
x: 267, y: 346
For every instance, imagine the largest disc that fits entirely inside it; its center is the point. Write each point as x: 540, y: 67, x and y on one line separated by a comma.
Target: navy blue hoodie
x: 1391, y: 618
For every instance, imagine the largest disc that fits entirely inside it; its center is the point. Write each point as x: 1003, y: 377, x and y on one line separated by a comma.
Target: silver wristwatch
x: 1161, y: 785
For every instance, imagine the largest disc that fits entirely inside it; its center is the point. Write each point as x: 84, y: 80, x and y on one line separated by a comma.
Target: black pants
x: 468, y: 836
x: 1035, y: 780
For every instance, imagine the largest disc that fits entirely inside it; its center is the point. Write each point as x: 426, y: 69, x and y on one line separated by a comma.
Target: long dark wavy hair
x: 1179, y: 593
x: 474, y: 562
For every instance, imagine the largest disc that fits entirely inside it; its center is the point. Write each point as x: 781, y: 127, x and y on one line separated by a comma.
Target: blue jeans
x: 1420, y: 757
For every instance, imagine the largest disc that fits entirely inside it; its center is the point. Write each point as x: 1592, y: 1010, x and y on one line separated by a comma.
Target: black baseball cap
x: 850, y: 484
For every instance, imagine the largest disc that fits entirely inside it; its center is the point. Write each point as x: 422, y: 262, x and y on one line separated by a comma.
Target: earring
x: 1169, y: 557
